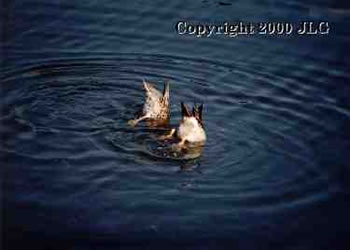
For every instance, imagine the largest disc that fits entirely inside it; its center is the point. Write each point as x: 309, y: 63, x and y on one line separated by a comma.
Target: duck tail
x: 166, y: 92
x: 185, y: 111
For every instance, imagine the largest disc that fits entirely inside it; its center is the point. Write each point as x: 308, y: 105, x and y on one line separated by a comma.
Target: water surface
x: 274, y: 171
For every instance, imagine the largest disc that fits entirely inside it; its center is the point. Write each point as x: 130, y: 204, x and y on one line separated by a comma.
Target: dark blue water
x: 274, y: 173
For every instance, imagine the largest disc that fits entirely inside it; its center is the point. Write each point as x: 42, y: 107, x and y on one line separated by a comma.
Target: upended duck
x: 156, y: 109
x: 191, y: 128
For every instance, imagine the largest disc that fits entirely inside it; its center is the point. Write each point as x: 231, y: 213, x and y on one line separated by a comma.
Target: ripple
x: 259, y: 125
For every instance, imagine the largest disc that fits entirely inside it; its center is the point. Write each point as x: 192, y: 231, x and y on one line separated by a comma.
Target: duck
x: 191, y: 128
x: 156, y: 108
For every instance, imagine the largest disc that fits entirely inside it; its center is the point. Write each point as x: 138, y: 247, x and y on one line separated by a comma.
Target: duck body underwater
x: 189, y: 133
x: 191, y: 128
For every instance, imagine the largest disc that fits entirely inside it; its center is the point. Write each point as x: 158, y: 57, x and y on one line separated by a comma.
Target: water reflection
x: 187, y: 154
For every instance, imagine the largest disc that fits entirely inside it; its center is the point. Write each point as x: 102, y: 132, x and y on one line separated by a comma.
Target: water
x: 274, y: 171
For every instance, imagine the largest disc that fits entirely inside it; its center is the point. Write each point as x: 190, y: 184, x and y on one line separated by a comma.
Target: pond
x: 274, y: 170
